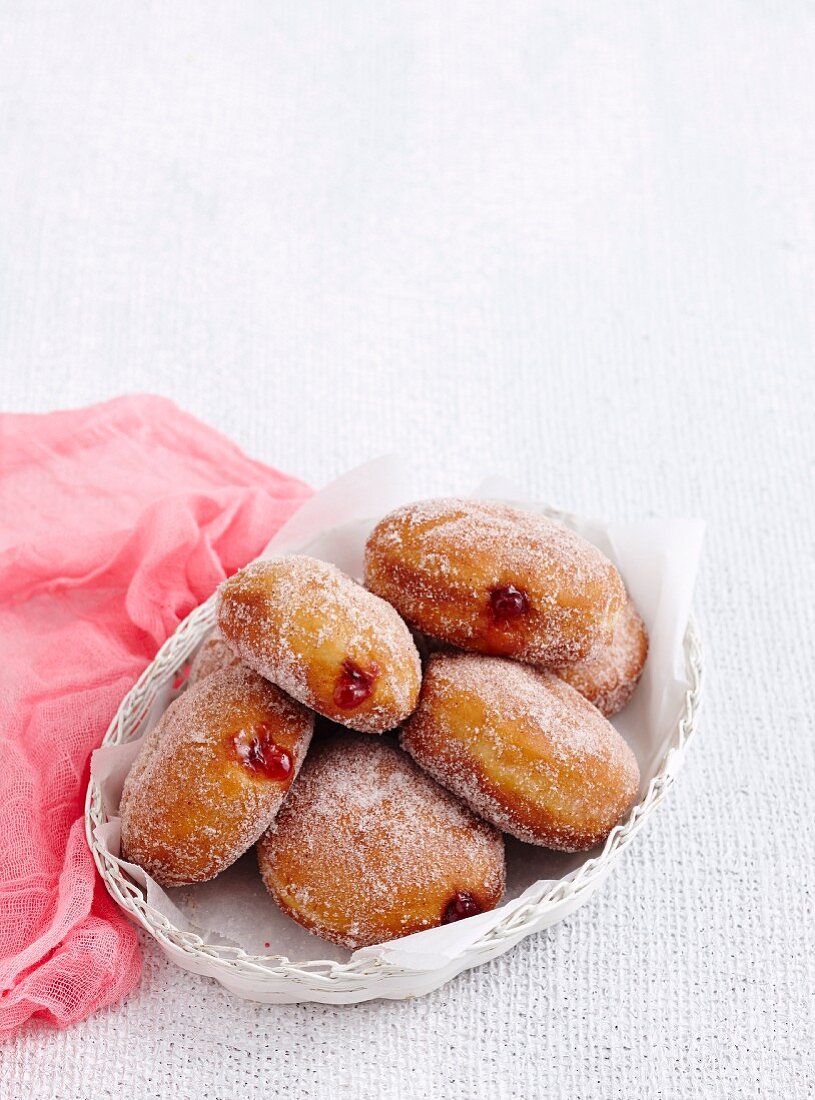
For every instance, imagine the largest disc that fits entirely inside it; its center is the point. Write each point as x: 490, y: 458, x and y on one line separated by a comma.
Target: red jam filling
x: 463, y: 905
x: 258, y: 752
x: 354, y: 685
x: 508, y: 603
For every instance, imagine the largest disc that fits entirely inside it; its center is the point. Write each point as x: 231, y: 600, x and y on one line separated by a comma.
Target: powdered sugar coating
x: 190, y: 806
x: 444, y: 564
x: 298, y: 621
x: 523, y: 749
x: 368, y: 848
x: 214, y: 655
x: 607, y: 677
x: 147, y: 748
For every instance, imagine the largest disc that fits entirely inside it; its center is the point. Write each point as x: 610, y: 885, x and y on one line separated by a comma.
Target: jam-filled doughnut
x: 368, y: 848
x: 608, y: 676
x: 494, y: 579
x: 523, y: 749
x: 213, y: 656
x: 211, y: 776
x: 324, y: 639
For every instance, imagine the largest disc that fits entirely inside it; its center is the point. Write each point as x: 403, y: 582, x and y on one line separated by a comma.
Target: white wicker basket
x: 270, y: 979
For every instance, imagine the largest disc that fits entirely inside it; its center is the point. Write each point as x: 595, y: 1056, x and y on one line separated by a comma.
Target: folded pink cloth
x: 115, y: 522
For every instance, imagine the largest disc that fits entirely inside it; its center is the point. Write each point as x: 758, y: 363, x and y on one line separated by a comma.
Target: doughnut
x: 494, y: 579
x: 608, y: 676
x: 211, y: 775
x: 213, y: 656
x: 368, y: 848
x: 324, y: 639
x: 523, y: 749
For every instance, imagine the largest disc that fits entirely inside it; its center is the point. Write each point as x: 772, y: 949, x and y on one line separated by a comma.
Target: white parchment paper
x: 658, y: 560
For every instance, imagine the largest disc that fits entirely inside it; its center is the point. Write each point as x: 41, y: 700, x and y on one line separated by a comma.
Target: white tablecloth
x: 570, y: 242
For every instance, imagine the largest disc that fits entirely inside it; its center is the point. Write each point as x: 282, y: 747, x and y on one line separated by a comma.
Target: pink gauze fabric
x: 115, y: 522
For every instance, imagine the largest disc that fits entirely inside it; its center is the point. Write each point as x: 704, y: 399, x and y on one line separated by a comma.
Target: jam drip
x: 462, y: 905
x: 508, y: 603
x: 257, y: 750
x: 354, y: 685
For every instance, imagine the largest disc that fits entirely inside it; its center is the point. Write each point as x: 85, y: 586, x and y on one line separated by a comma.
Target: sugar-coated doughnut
x: 608, y: 676
x: 213, y: 656
x: 324, y: 639
x: 494, y: 579
x: 523, y: 749
x: 211, y: 776
x: 368, y: 848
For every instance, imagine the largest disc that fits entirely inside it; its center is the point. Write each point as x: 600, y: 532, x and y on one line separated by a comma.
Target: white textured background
x: 572, y: 242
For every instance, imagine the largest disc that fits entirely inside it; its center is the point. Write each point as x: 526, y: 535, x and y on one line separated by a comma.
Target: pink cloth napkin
x: 115, y: 522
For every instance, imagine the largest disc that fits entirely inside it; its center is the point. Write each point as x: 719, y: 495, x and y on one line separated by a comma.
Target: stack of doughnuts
x: 529, y: 643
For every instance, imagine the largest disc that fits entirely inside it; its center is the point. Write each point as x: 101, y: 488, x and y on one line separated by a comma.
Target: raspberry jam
x: 508, y: 603
x: 259, y: 752
x: 462, y: 905
x: 354, y: 685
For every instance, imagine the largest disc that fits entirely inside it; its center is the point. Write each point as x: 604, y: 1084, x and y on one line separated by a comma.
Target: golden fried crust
x: 324, y: 639
x: 211, y: 776
x: 522, y: 749
x: 368, y: 848
x: 213, y: 656
x: 608, y: 677
x: 494, y: 579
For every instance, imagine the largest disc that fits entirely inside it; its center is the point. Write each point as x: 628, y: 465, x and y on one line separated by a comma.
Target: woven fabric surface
x: 571, y: 243
x: 115, y: 522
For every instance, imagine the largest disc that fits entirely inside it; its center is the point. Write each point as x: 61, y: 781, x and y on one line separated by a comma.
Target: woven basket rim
x: 323, y: 974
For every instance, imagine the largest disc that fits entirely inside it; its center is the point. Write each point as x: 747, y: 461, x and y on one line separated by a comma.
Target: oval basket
x: 275, y: 980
